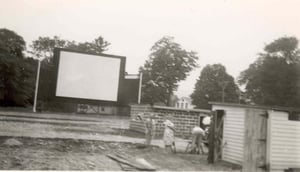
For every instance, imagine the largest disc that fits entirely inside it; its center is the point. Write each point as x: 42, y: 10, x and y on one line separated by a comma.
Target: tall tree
x: 168, y: 64
x: 274, y: 78
x: 214, y: 84
x: 16, y: 72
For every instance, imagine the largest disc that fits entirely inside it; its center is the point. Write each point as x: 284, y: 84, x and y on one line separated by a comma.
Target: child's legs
x: 148, y: 138
x: 200, y: 141
x: 171, y: 147
x: 174, y: 147
x: 195, y: 139
x: 168, y: 147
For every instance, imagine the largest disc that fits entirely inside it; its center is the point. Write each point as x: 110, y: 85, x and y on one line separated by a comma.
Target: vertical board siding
x: 284, y: 142
x: 233, y: 134
x: 255, y: 149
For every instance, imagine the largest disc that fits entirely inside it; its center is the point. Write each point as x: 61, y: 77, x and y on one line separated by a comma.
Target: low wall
x: 184, y: 119
x: 51, y: 106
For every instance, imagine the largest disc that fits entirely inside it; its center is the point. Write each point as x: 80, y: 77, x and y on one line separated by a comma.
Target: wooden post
x: 269, y: 141
x: 140, y: 88
x: 218, y: 134
x: 211, y: 138
x: 215, y: 136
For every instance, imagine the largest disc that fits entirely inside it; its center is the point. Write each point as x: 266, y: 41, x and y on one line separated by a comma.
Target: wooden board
x: 255, y: 147
x: 139, y: 164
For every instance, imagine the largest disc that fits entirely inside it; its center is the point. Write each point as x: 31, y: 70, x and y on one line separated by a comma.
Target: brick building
x: 184, y: 119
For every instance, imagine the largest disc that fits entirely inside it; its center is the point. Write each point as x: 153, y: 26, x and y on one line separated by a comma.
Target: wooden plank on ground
x: 136, y: 164
x: 127, y: 167
x: 145, y: 163
x: 139, y: 161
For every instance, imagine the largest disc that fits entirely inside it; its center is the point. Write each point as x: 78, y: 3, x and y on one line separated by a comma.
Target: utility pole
x: 223, y: 94
x: 239, y: 96
x: 223, y: 84
x: 140, y: 88
x: 36, y: 85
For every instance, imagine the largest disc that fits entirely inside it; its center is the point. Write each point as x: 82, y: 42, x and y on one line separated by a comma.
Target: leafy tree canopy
x: 16, y: 72
x: 43, y: 47
x: 11, y: 43
x: 97, y: 46
x: 285, y: 47
x: 168, y: 64
x: 274, y: 78
x: 214, y: 84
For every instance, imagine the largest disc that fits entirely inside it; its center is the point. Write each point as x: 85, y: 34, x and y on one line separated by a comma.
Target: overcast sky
x: 230, y: 32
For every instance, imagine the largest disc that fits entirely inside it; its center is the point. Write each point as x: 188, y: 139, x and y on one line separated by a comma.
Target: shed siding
x: 284, y: 141
x: 233, y: 134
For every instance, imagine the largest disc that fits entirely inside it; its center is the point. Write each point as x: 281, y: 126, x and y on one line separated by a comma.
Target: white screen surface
x: 88, y: 76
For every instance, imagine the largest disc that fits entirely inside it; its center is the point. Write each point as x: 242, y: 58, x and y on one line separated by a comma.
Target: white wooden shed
x: 260, y: 138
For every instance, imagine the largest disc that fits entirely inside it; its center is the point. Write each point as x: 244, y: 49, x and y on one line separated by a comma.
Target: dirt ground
x: 62, y: 142
x: 71, y: 154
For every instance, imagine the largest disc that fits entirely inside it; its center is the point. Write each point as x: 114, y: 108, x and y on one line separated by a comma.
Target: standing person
x: 149, y: 124
x: 198, y: 135
x: 150, y: 128
x: 169, y: 139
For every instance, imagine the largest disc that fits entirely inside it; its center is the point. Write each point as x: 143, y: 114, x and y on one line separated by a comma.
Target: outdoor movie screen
x: 86, y: 76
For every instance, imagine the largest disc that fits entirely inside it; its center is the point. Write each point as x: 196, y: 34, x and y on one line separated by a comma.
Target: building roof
x: 179, y: 109
x: 256, y: 106
x: 185, y: 99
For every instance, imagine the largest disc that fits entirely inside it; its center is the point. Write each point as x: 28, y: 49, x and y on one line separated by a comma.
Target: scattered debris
x: 16, y: 161
x: 114, y: 144
x: 141, y: 146
x: 12, y: 142
x: 101, y: 147
x: 90, y: 164
x: 194, y: 162
x: 93, y: 148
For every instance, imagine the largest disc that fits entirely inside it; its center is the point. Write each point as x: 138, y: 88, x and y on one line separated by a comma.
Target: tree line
x: 272, y: 79
x: 18, y: 66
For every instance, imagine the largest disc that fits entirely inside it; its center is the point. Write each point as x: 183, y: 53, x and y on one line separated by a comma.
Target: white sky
x: 230, y: 32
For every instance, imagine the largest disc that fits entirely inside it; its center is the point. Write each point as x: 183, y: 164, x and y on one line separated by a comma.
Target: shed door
x: 255, y: 148
x: 216, y: 136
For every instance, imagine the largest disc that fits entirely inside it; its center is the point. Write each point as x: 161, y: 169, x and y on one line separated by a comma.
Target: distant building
x: 184, y: 103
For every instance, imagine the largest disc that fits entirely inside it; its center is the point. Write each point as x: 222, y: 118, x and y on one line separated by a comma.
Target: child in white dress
x: 169, y: 139
x: 149, y: 124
